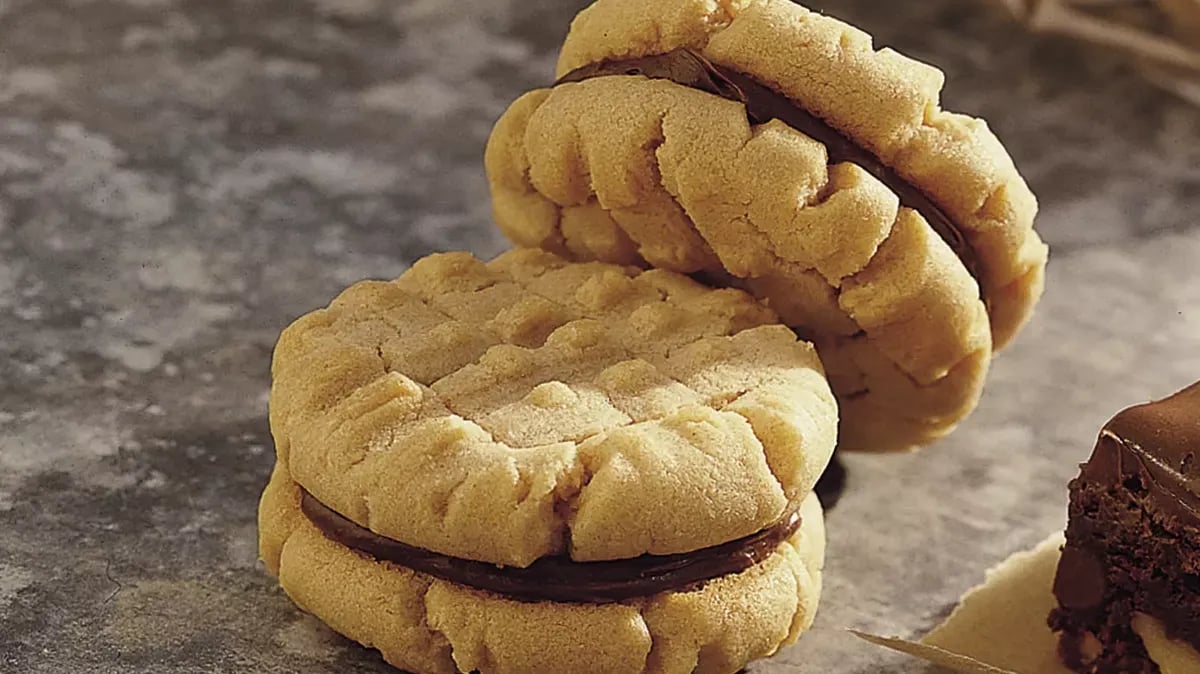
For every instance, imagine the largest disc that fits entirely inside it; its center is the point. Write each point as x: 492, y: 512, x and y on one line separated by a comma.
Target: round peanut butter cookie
x: 532, y: 464
x: 760, y: 145
x: 426, y: 625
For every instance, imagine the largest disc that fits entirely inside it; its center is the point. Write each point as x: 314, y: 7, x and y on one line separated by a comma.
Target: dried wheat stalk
x: 1164, y: 35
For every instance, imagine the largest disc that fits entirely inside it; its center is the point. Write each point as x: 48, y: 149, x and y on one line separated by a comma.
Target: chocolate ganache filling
x: 558, y: 578
x: 688, y: 68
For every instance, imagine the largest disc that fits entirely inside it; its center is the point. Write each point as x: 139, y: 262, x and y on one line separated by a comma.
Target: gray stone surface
x: 179, y: 180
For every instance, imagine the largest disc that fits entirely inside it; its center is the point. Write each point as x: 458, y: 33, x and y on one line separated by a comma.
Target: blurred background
x: 180, y: 179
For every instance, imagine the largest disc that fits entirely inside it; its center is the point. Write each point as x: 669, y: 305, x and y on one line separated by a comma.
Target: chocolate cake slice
x: 1133, y: 540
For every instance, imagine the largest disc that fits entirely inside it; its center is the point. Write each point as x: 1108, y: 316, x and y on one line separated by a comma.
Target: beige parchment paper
x: 1000, y: 627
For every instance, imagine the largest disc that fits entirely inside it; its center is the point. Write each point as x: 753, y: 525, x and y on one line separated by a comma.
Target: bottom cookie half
x: 425, y: 625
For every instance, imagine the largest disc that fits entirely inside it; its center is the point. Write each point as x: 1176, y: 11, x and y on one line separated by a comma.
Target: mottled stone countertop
x: 179, y: 180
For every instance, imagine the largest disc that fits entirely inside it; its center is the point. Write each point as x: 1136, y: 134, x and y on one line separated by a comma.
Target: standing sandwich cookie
x: 1127, y: 583
x: 534, y: 465
x: 760, y: 145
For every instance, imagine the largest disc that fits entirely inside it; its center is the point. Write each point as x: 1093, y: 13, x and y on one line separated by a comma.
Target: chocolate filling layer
x: 560, y: 579
x: 690, y: 69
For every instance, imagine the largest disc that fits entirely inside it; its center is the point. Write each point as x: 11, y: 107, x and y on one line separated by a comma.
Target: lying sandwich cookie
x: 1129, y: 602
x: 533, y: 465
x: 760, y: 145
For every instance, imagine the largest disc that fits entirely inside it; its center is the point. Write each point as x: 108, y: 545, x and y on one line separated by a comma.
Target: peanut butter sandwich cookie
x: 535, y: 465
x: 757, y: 144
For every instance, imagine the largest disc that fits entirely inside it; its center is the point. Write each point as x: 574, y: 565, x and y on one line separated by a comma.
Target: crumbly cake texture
x: 1141, y: 554
x: 1133, y: 548
x: 650, y: 172
x: 428, y: 626
x: 1132, y: 552
x: 529, y: 407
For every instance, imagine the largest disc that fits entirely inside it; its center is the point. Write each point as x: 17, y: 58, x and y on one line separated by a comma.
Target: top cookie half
x: 530, y: 407
x: 899, y: 238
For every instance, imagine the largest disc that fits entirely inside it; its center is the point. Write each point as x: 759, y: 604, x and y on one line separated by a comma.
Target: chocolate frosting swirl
x: 1158, y: 442
x: 560, y: 579
x: 690, y: 69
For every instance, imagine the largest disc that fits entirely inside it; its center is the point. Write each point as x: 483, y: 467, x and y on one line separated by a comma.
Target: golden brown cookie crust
x: 828, y: 247
x: 656, y: 165
x: 529, y: 407
x: 833, y: 70
x: 424, y: 625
